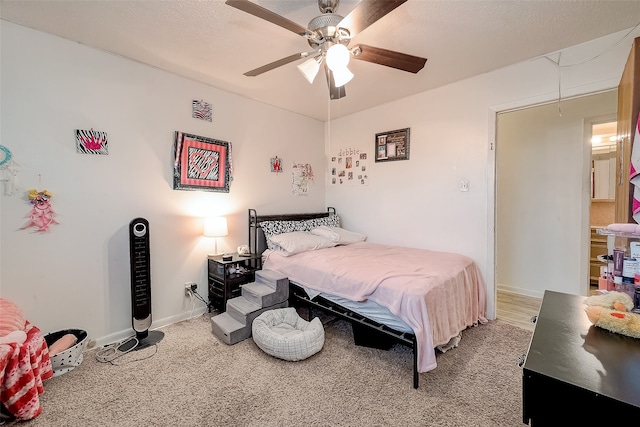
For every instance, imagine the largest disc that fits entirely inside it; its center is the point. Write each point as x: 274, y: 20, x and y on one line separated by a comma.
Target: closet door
x: 628, y: 108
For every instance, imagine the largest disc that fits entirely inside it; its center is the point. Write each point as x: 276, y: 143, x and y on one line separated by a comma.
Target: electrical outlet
x: 190, y: 288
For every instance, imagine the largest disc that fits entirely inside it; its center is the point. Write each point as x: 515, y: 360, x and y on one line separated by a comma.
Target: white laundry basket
x: 67, y: 360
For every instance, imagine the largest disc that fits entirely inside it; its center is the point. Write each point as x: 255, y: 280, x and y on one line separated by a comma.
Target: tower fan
x: 140, y: 288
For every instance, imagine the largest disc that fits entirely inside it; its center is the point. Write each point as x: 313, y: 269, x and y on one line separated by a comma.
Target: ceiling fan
x: 329, y: 35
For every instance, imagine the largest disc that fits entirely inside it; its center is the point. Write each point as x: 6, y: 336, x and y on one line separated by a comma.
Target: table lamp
x: 215, y: 227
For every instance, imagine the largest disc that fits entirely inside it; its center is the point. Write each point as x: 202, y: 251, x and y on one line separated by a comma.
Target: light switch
x: 464, y: 185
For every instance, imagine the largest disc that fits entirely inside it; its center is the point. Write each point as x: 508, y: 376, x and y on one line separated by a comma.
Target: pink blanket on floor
x: 23, y: 368
x: 438, y: 294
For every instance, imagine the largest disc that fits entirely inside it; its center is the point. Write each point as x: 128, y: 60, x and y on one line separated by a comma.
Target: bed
x: 391, y: 294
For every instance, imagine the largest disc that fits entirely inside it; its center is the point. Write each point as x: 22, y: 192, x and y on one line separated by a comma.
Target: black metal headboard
x: 257, y: 239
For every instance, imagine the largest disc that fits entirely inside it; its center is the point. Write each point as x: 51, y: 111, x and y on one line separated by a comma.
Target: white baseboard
x: 157, y: 324
x: 519, y: 291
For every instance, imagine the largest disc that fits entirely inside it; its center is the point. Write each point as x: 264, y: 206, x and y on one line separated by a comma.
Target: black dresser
x: 577, y: 373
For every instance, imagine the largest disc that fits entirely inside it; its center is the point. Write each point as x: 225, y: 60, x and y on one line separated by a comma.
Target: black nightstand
x: 572, y: 365
x: 225, y: 278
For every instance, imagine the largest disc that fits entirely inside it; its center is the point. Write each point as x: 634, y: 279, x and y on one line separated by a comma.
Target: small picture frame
x: 91, y: 142
x: 392, y: 145
x: 201, y: 110
x: 200, y: 163
x: 276, y: 164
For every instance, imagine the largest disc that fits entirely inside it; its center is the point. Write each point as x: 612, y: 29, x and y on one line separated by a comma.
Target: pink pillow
x: 11, y: 317
x: 67, y: 341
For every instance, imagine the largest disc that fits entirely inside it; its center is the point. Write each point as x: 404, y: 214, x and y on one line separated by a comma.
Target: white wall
x: 543, y: 186
x: 417, y: 202
x: 77, y: 275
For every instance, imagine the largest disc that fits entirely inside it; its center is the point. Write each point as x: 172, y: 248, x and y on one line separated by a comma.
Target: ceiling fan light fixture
x: 329, y: 35
x: 342, y: 76
x: 338, y: 57
x: 310, y: 68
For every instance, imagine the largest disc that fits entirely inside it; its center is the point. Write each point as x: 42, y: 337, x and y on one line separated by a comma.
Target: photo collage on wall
x: 350, y: 167
x: 301, y: 177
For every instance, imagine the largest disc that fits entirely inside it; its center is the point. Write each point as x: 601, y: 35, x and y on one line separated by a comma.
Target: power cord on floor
x: 110, y: 353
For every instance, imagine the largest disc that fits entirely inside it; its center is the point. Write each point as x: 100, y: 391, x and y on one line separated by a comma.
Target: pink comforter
x: 438, y: 294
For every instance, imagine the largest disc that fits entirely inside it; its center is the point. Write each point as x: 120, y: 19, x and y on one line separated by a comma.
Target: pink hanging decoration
x: 634, y: 173
x: 42, y: 214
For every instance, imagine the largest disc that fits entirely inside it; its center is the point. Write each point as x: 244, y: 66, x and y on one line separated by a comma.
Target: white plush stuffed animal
x: 613, y: 300
x: 610, y: 311
x: 615, y: 321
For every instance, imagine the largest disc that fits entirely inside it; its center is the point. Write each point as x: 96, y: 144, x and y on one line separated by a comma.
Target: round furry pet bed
x: 283, y: 334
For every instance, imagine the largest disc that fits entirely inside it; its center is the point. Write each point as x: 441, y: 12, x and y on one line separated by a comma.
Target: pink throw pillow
x: 11, y: 317
x: 67, y: 341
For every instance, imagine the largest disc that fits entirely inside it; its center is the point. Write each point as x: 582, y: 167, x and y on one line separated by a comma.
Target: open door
x: 628, y: 108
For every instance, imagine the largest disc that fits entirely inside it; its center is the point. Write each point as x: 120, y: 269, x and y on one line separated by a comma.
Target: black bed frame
x: 366, y: 332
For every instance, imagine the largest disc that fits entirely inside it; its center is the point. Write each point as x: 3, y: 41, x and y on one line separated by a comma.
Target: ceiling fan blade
x: 334, y: 92
x: 276, y: 64
x: 266, y: 14
x: 389, y: 58
x: 366, y: 13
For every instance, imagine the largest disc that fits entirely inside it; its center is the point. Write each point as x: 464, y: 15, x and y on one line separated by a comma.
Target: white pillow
x: 299, y: 241
x: 339, y: 235
x: 273, y: 228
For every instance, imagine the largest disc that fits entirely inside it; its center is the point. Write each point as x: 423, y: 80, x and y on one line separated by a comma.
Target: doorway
x: 543, y: 195
x: 603, y: 139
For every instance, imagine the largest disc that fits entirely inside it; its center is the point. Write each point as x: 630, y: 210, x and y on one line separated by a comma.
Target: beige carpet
x: 196, y: 380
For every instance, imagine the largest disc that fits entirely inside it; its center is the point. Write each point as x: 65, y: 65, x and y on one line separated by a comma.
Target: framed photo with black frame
x: 200, y: 163
x: 392, y: 145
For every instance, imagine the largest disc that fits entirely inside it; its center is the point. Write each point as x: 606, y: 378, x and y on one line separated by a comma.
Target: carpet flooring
x: 193, y: 379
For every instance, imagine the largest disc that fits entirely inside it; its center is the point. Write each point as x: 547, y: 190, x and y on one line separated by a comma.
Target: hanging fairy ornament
x: 42, y: 214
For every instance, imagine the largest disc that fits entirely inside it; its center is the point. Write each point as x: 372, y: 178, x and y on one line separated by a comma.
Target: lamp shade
x: 310, y: 68
x: 215, y: 227
x: 342, y: 76
x: 338, y: 57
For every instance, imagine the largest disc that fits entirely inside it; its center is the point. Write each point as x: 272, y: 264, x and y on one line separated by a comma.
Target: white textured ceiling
x: 214, y: 43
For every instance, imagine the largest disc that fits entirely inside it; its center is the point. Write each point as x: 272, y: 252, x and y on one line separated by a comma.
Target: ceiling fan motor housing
x: 328, y: 6
x: 326, y: 28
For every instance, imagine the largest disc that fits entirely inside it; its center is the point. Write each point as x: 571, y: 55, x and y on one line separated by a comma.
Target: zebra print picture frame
x: 200, y: 163
x: 91, y: 142
x: 201, y: 110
